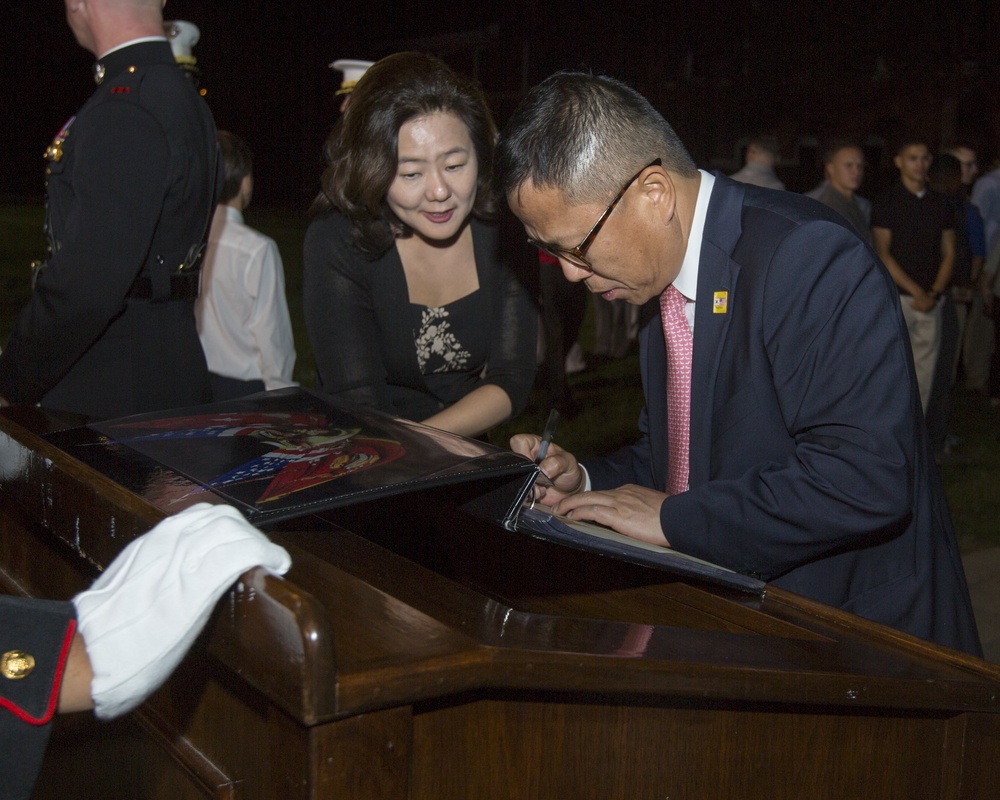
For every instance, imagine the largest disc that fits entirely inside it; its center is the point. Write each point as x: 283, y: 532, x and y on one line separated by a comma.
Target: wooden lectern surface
x: 416, y: 652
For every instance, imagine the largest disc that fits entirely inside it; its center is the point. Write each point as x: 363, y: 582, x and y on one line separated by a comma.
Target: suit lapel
x: 717, y: 283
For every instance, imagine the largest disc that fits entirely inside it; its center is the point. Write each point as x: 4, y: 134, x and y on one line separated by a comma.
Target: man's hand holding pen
x: 563, y: 472
x: 631, y: 510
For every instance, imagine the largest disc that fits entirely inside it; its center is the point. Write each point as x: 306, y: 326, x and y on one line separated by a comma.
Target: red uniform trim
x: 23, y: 715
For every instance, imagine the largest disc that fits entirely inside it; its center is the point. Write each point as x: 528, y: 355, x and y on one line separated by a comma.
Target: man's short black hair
x: 237, y: 162
x: 834, y: 146
x: 910, y: 140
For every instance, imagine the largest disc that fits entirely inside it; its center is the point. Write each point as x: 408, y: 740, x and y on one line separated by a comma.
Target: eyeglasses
x: 578, y: 255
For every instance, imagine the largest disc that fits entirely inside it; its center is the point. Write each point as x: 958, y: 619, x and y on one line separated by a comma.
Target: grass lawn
x: 610, y: 394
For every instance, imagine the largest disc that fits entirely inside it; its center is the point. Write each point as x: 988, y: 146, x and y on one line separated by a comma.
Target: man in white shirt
x: 242, y: 313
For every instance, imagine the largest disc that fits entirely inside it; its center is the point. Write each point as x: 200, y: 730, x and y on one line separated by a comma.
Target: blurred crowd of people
x: 937, y: 230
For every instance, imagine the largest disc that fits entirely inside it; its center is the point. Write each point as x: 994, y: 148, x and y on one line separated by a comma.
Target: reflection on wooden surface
x: 416, y: 652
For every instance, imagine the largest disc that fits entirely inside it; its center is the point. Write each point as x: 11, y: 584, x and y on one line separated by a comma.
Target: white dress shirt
x: 242, y: 313
x: 687, y: 279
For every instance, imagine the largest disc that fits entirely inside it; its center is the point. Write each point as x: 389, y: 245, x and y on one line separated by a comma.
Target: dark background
x: 719, y: 71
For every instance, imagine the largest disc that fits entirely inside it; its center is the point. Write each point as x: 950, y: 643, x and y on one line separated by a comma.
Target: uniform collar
x: 150, y: 50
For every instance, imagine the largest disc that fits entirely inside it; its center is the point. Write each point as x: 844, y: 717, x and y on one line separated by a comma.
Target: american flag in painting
x: 307, y: 450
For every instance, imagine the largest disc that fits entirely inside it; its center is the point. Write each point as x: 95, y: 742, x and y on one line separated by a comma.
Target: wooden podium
x: 415, y: 652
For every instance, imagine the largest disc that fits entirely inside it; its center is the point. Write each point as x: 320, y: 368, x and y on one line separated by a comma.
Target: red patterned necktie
x: 679, y: 338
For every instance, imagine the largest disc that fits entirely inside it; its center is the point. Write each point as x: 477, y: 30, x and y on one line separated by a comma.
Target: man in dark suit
x: 808, y: 463
x: 110, y: 328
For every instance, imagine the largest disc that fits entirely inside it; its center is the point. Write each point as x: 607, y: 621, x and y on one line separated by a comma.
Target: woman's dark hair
x: 362, y: 148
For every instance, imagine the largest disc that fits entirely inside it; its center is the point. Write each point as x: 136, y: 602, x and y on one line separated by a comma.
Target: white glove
x: 140, y: 617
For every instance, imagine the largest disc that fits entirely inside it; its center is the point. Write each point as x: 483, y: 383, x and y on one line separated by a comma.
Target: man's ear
x: 657, y: 187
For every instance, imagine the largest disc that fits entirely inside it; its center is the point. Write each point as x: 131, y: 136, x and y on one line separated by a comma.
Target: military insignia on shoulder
x: 54, y: 151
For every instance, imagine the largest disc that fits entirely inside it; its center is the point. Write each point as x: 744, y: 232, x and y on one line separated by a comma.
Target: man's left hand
x: 923, y: 302
x: 631, y: 510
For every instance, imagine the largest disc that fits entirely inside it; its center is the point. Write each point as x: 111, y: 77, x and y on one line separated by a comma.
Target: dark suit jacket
x: 129, y: 192
x: 810, y: 464
x: 42, y: 629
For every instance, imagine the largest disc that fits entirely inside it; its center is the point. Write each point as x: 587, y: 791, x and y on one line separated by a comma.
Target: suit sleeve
x: 840, y: 385
x: 43, y: 630
x: 120, y: 161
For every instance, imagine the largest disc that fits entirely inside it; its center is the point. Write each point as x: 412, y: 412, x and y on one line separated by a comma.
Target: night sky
x: 719, y: 71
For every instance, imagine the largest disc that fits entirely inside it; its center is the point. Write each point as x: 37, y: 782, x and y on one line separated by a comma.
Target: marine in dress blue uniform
x: 115, y: 643
x: 109, y: 329
x: 35, y: 637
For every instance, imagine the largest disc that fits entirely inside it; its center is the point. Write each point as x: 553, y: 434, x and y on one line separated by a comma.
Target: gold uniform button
x: 16, y: 664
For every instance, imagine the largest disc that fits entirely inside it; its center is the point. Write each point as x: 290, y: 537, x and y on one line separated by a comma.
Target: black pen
x: 547, y: 434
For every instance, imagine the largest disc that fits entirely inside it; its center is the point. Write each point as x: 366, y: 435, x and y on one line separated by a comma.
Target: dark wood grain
x: 414, y: 651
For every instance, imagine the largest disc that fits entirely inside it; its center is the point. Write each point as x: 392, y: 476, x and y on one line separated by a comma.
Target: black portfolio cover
x: 541, y: 522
